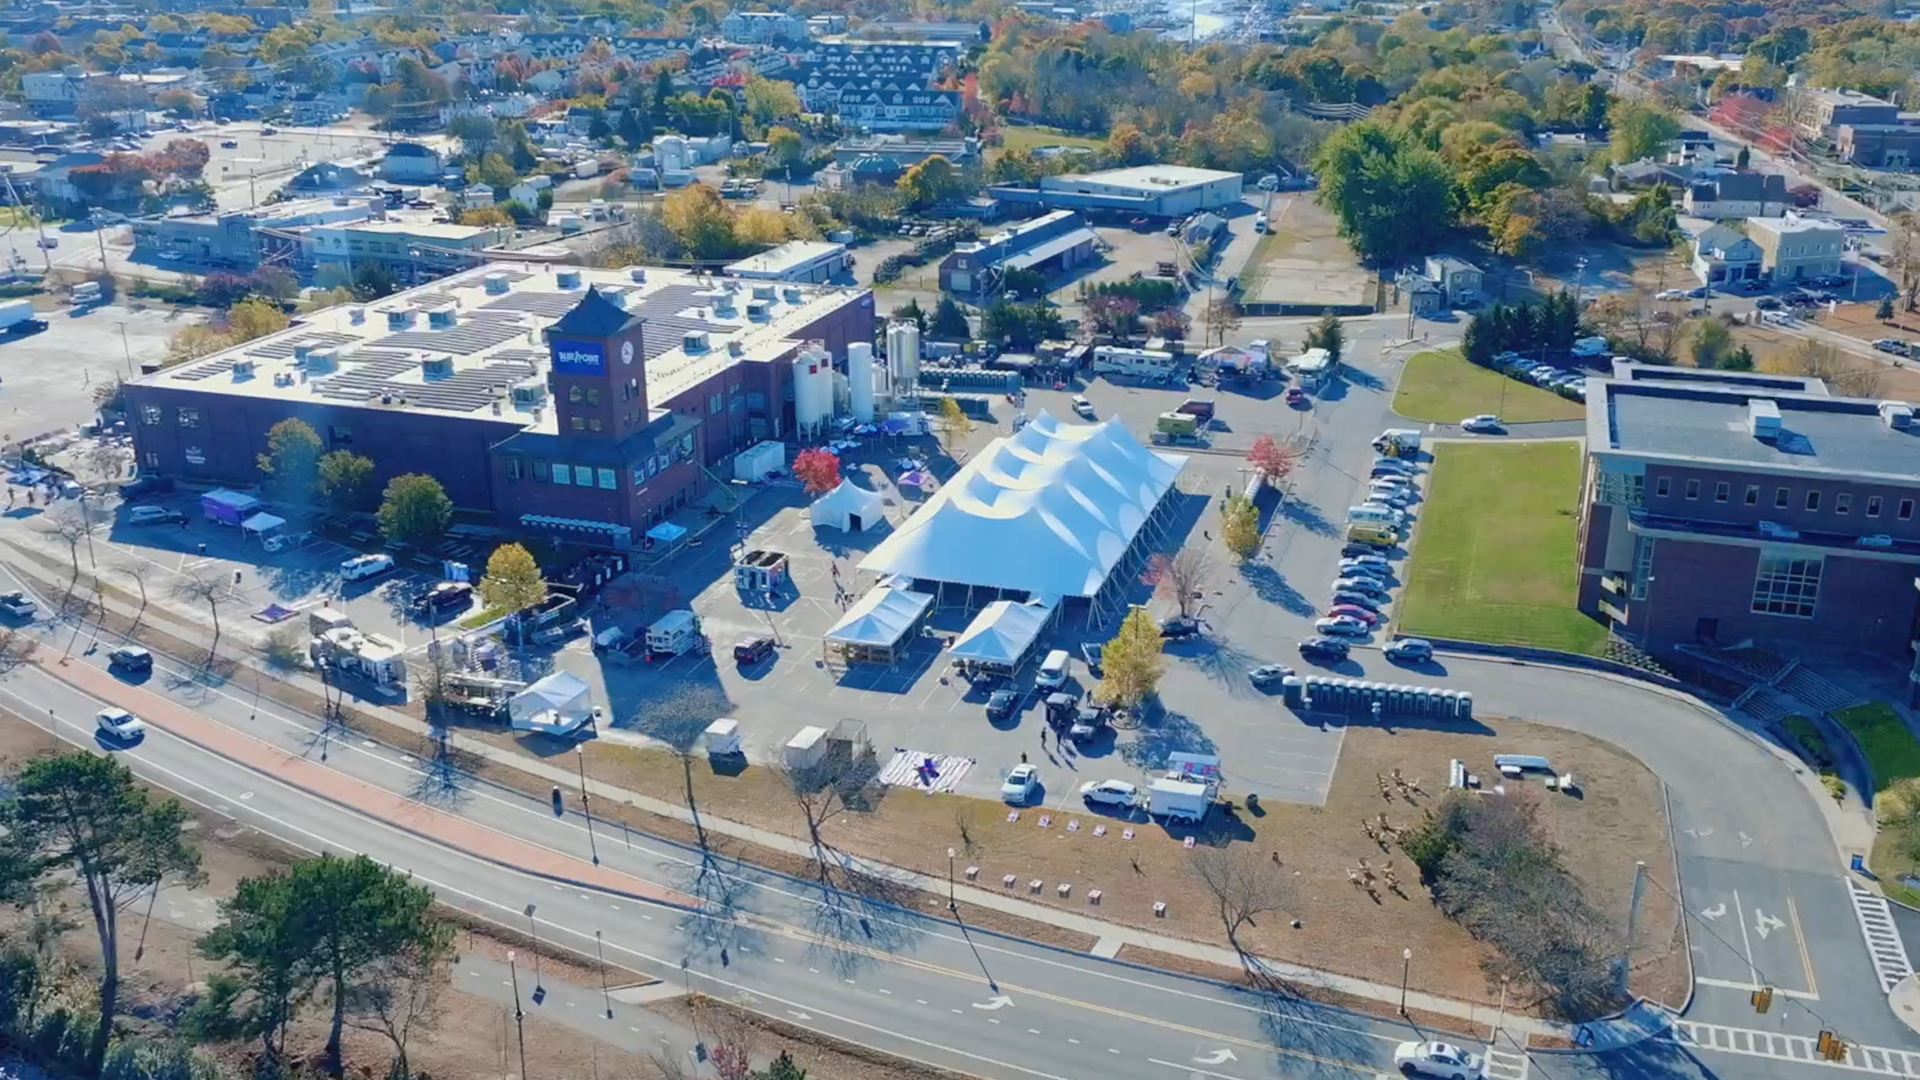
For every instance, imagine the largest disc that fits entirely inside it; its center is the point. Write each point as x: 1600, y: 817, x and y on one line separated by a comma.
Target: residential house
x: 1723, y: 253
x: 411, y: 162
x: 1458, y: 279
x: 527, y: 192
x: 1723, y: 195
x: 1794, y: 248
x: 901, y: 110
x: 763, y: 27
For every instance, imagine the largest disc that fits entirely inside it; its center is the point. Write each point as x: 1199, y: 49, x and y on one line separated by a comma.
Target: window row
x: 1812, y: 501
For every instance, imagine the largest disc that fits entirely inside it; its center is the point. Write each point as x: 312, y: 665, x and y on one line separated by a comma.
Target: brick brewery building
x: 1723, y: 506
x: 594, y: 402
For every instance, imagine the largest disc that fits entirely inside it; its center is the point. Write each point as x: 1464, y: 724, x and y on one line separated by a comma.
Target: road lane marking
x: 1740, y: 915
x: 1748, y: 988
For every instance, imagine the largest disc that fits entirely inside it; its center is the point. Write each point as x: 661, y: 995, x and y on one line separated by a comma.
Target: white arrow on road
x: 999, y: 1002
x: 1764, y: 924
x: 1218, y: 1057
x: 1715, y: 911
x: 798, y: 1015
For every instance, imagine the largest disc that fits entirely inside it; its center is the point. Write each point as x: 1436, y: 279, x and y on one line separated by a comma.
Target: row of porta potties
x: 1320, y: 693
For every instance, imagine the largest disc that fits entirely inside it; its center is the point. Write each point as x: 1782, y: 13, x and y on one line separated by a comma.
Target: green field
x: 1890, y: 749
x: 1440, y: 387
x: 1494, y: 551
x: 1025, y: 137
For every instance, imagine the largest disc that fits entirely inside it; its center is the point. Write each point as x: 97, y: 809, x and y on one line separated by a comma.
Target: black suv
x: 753, y: 650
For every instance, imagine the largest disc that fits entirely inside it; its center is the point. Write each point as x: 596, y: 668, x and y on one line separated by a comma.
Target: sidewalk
x: 519, y: 855
x: 401, y: 813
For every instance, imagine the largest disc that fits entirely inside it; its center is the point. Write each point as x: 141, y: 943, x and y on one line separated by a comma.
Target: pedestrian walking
x: 1023, y: 757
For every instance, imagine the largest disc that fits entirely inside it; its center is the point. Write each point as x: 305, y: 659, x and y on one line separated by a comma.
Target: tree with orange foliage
x: 818, y: 469
x: 1275, y: 462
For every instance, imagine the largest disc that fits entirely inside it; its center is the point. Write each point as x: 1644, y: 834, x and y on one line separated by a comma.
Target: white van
x: 1375, y: 515
x: 1053, y: 670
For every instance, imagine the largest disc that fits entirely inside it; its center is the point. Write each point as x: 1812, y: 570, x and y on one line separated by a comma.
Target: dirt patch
x: 1771, y: 347
x: 1303, y: 263
x: 1618, y: 820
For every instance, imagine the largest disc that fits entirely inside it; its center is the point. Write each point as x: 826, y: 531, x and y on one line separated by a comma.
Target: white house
x: 1723, y: 253
x: 527, y: 192
x: 763, y: 27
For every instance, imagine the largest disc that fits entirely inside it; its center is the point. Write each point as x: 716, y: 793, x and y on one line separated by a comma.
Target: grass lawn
x: 1494, y: 555
x: 1440, y: 387
x: 1891, y: 751
x: 1024, y: 137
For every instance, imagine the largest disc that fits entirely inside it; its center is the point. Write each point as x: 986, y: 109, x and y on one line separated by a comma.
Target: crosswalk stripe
x: 1884, y: 1061
x: 1884, y: 947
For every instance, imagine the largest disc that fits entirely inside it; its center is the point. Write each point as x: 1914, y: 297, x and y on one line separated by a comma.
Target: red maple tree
x: 818, y: 470
x: 1274, y: 461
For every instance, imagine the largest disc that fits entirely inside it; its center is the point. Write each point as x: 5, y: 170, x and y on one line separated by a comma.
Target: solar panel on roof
x: 463, y: 339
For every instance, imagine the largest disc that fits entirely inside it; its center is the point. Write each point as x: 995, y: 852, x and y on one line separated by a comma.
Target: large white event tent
x: 874, y: 627
x: 1048, y: 511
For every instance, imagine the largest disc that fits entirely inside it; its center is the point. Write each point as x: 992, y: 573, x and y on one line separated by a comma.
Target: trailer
x: 1138, y: 363
x: 675, y: 633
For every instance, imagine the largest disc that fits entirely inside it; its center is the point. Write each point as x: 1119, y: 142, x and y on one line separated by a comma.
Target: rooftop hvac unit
x: 320, y: 360
x: 496, y: 284
x: 1763, y: 418
x: 567, y: 279
x: 792, y: 294
x: 400, y: 319
x: 530, y: 393
x: 441, y: 318
x: 437, y: 367
x: 735, y: 348
x: 1897, y: 415
x: 243, y: 369
x: 763, y: 292
x: 695, y: 341
x: 638, y: 275
x: 757, y: 310
x: 356, y: 316
x: 300, y: 352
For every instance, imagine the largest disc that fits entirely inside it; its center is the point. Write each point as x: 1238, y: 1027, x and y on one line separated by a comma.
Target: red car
x: 1371, y: 618
x: 1296, y: 396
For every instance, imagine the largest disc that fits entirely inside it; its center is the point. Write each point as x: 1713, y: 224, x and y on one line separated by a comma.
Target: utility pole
x: 519, y: 1017
x: 125, y: 349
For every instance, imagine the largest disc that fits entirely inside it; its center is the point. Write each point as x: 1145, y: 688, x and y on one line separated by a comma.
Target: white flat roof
x: 787, y: 257
x: 1154, y: 178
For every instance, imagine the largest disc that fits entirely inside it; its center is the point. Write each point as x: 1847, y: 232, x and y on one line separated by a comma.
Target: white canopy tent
x: 556, y: 705
x: 262, y: 525
x: 849, y: 508
x: 1048, y: 511
x: 878, y: 622
x: 1002, y: 634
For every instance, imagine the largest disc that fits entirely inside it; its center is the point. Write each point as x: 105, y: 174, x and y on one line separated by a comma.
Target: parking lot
x: 47, y: 379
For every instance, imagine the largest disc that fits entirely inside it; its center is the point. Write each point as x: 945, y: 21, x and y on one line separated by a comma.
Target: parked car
x: 130, y: 658
x: 1767, y: 303
x: 1378, y: 562
x: 154, y: 515
x: 279, y: 542
x: 1324, y: 647
x: 229, y: 144
x: 1753, y: 285
x: 444, y: 596
x: 752, y: 650
x: 1343, y: 625
x: 1409, y: 650
x: 1889, y: 345
x: 119, y: 724
x: 1179, y: 626
x: 1109, y: 793
x: 1396, y: 497
x: 1268, y: 674
x: 1296, y: 396
x: 1670, y: 294
x: 1485, y: 422
x: 1360, y: 600
x: 1001, y: 703
x: 1019, y: 786
x: 361, y: 567
x: 1354, y: 611
x: 1438, y: 1059
x: 1365, y: 586
x: 1083, y: 406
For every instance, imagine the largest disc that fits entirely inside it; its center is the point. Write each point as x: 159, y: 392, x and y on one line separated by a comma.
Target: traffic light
x: 1832, y: 1047
x: 1762, y: 999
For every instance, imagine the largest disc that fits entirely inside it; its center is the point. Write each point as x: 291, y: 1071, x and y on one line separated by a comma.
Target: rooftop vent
x: 400, y: 319
x: 496, y: 284
x: 763, y: 292
x: 791, y: 294
x: 530, y: 393
x: 638, y: 275
x: 735, y: 348
x: 695, y: 341
x: 723, y: 306
x: 1763, y: 418
x: 437, y: 367
x: 567, y: 279
x: 319, y: 360
x: 356, y: 316
x: 1897, y: 415
x: 242, y: 369
x: 757, y: 310
x: 442, y: 318
x: 301, y: 352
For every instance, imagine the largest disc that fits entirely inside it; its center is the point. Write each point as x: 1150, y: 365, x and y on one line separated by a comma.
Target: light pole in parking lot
x: 952, y: 906
x: 586, y: 807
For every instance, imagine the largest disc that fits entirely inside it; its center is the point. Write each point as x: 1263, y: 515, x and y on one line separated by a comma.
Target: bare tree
x: 431, y: 677
x: 107, y: 461
x: 398, y: 998
x: 840, y: 781
x: 1223, y: 319
x: 71, y: 524
x: 139, y: 573
x: 677, y: 717
x: 204, y: 587
x: 1847, y: 376
x: 731, y: 1038
x: 1179, y: 577
x: 16, y: 648
x: 284, y: 648
x: 1245, y: 886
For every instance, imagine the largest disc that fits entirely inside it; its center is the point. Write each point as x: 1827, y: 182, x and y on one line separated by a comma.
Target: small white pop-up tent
x: 556, y: 705
x: 849, y: 508
x: 262, y: 525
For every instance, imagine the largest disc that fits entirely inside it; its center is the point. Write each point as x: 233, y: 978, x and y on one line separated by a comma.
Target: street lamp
x: 519, y: 1017
x: 952, y: 906
x: 580, y: 751
x: 1406, y: 966
x: 600, y: 947
x: 534, y: 926
x: 1501, y: 1015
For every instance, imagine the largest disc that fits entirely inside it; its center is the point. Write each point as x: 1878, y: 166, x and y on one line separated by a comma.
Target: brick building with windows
x: 592, y: 403
x: 1721, y: 506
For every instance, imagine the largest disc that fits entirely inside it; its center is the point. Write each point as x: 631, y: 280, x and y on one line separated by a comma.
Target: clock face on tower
x: 626, y: 352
